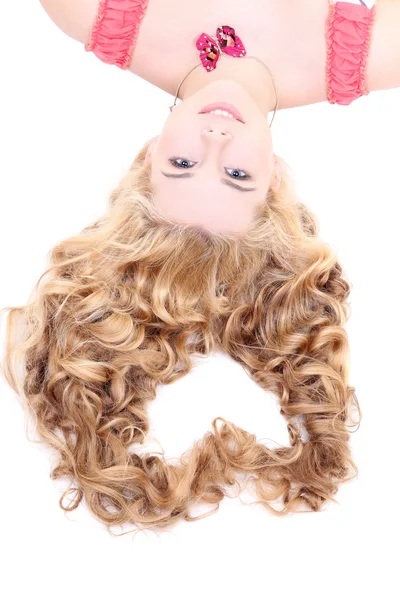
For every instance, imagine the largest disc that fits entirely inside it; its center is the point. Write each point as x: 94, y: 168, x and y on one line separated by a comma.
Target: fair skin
x: 217, y: 151
x: 288, y: 36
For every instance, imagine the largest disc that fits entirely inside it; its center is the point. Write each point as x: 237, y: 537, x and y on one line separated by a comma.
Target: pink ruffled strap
x: 114, y: 32
x: 348, y: 37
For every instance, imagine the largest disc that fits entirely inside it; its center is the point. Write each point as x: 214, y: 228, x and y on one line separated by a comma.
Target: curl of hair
x: 118, y: 312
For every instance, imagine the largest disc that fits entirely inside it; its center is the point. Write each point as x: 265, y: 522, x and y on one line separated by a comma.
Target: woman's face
x: 213, y: 154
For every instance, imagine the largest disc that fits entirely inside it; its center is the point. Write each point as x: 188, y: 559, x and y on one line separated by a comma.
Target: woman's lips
x: 223, y: 106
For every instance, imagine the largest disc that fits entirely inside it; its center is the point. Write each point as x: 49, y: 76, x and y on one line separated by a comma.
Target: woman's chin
x: 228, y: 86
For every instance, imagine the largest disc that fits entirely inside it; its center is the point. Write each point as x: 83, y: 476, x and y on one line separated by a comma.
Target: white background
x: 70, y: 127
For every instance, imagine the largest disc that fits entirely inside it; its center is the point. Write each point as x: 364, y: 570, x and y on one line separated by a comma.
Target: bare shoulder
x: 73, y: 17
x: 383, y: 68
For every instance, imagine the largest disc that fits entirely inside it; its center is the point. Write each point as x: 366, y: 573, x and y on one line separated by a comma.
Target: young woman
x: 302, y: 52
x: 125, y: 303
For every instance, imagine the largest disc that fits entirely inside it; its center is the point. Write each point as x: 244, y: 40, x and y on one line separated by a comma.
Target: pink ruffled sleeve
x: 114, y: 32
x: 348, y: 35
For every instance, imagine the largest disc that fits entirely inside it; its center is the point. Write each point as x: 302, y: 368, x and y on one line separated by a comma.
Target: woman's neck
x: 248, y: 72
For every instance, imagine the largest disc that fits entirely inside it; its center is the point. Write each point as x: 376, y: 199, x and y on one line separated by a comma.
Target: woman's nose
x: 218, y: 134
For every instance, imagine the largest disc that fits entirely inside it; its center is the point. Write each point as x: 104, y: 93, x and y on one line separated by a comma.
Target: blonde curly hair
x: 111, y: 318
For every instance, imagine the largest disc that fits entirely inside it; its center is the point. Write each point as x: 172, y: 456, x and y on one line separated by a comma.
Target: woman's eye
x: 181, y: 166
x: 244, y: 176
x: 185, y: 165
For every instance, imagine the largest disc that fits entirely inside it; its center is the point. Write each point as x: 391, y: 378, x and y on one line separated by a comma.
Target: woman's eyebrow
x: 223, y: 180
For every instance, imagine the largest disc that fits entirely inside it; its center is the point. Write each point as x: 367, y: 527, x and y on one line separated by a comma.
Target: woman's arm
x: 383, y: 67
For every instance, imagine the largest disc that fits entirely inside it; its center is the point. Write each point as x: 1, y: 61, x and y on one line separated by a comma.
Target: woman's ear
x: 276, y: 178
x: 150, y: 149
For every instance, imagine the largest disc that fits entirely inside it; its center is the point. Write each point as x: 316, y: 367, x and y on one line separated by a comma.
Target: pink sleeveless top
x: 348, y: 34
x: 114, y: 32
